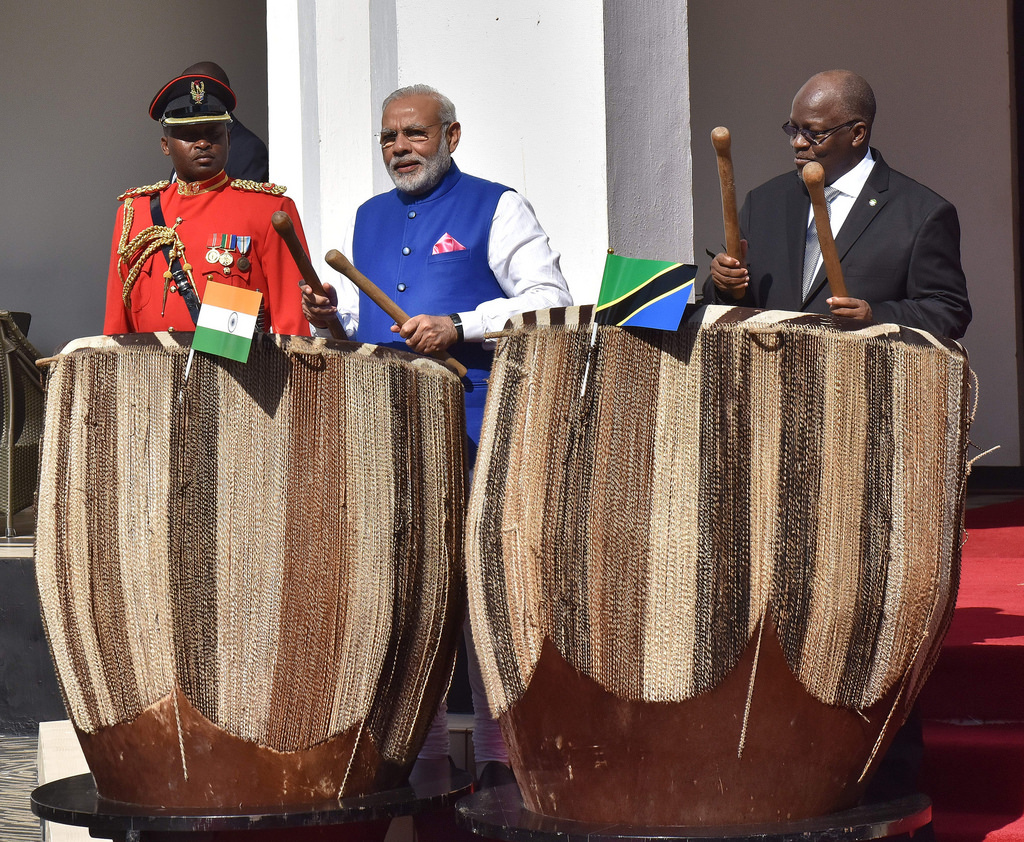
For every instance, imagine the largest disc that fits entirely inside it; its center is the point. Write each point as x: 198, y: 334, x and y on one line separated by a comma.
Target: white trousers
x: 488, y: 744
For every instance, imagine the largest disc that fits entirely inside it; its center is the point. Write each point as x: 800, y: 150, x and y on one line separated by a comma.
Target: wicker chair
x: 21, y: 417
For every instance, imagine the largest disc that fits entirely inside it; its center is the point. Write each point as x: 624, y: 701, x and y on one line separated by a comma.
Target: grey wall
x: 74, y: 133
x: 942, y: 77
x: 648, y: 127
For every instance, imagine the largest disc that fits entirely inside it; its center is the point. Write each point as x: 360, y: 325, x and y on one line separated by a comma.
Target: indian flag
x: 227, y: 321
x: 644, y: 293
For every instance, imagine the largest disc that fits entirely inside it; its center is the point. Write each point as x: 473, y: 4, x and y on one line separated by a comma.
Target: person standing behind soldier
x: 171, y: 239
x: 898, y: 242
x: 249, y: 158
x: 464, y: 254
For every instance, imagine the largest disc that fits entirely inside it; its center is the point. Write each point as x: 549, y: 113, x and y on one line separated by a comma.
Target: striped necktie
x: 812, y: 248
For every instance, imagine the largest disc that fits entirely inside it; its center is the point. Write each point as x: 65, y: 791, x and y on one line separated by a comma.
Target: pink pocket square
x: 446, y: 244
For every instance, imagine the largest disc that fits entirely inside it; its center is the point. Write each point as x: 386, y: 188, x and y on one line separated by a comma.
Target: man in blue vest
x: 464, y: 254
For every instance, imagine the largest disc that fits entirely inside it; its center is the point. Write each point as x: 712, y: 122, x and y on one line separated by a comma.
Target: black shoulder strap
x: 181, y: 281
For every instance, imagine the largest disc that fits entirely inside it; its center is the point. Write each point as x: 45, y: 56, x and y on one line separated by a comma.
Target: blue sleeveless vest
x: 394, y: 238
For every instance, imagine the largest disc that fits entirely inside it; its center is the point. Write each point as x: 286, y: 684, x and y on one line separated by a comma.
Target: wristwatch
x: 457, y: 321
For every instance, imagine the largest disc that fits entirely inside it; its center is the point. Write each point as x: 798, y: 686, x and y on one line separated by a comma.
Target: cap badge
x: 198, y: 92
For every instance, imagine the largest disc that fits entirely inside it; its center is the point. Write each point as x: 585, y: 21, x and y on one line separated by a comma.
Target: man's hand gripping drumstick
x: 729, y: 269
x: 840, y: 301
x: 424, y: 334
x: 283, y: 225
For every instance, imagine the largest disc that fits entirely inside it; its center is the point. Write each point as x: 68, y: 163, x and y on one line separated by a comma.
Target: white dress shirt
x: 849, y: 186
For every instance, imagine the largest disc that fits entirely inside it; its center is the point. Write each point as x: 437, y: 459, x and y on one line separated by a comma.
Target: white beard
x: 427, y: 177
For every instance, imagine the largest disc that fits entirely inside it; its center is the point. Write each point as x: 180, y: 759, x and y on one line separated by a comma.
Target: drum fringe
x: 181, y: 740
x: 885, y: 726
x: 975, y: 395
x: 352, y: 756
x: 750, y: 689
x: 982, y: 455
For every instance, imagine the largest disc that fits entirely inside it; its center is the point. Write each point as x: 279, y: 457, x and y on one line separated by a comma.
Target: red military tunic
x: 217, y: 206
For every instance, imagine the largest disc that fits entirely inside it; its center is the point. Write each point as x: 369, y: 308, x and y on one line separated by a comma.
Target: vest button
x: 401, y: 287
x: 407, y: 250
x: 412, y: 214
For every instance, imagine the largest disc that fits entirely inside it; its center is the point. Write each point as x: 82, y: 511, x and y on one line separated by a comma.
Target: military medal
x: 243, y: 244
x: 220, y: 248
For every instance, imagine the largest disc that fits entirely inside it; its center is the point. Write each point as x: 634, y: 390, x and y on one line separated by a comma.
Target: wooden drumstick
x: 337, y: 261
x: 722, y: 141
x: 283, y: 225
x: 814, y: 178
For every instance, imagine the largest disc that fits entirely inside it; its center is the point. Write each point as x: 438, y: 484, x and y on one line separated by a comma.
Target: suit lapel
x: 869, y: 203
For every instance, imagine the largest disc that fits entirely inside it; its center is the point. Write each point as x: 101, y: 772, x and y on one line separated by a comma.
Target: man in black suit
x: 898, y: 242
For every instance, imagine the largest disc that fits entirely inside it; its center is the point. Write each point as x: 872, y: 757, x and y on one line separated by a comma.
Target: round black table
x: 499, y: 814
x: 74, y: 801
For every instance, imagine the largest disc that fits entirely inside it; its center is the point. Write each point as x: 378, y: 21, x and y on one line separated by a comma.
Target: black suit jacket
x: 247, y: 155
x: 899, y: 250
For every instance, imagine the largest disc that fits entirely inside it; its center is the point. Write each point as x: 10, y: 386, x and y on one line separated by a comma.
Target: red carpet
x: 973, y: 704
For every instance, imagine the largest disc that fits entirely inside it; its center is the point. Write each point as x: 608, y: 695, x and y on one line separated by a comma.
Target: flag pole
x: 593, y: 344
x: 184, y: 380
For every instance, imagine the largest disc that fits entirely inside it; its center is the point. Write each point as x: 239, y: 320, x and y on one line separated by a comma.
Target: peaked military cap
x: 193, y: 98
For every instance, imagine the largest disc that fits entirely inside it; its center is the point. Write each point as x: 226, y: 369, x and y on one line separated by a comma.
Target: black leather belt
x: 181, y: 280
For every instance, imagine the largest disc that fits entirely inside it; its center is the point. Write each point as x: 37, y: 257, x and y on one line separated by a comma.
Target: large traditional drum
x: 710, y: 570
x: 252, y: 586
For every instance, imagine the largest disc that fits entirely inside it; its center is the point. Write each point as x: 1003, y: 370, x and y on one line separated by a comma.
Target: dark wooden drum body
x: 710, y: 570
x: 251, y: 588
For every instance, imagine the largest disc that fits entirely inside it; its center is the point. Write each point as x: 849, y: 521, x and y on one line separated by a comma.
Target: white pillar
x: 528, y: 79
x: 320, y: 110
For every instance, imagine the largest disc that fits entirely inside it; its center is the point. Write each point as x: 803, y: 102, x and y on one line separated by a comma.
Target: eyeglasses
x: 413, y: 134
x: 815, y: 138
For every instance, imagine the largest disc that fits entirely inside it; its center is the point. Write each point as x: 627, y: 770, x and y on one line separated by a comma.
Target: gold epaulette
x: 258, y: 186
x: 143, y: 191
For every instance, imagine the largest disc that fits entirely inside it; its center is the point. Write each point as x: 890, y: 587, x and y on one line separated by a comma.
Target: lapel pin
x: 872, y: 202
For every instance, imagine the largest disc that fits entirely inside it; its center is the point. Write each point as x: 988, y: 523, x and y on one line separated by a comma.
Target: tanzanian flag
x: 227, y: 321
x: 644, y: 293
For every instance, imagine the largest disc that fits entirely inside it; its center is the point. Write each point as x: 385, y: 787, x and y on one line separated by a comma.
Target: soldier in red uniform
x: 170, y: 239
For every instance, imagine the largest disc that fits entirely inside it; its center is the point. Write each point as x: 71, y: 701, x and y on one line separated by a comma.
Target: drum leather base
x: 581, y: 753
x: 140, y: 762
